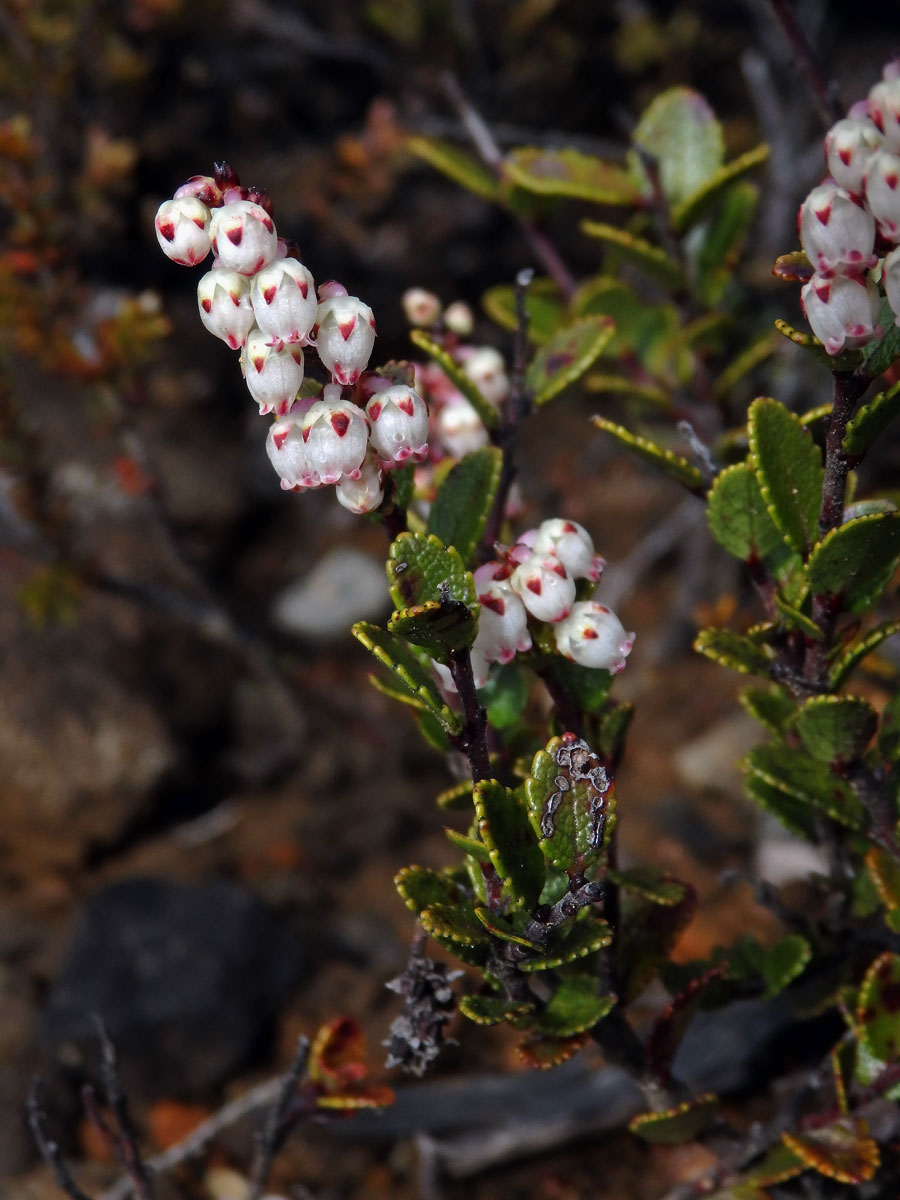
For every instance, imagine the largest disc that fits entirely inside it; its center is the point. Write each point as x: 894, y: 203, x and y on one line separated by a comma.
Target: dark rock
x: 186, y: 978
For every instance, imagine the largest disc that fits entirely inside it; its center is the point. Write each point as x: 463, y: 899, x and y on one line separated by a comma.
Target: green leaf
x: 586, y: 936
x: 568, y: 172
x: 651, y: 259
x: 786, y: 960
x: 788, y: 466
x: 796, y: 815
x: 884, y: 871
x: 739, y: 519
x: 771, y: 706
x: 840, y: 1151
x: 836, y: 727
x: 468, y: 845
x: 437, y: 626
x: 507, y: 929
x: 543, y: 304
x: 734, y: 650
x: 779, y: 1165
x: 723, y: 242
x: 856, y: 560
x: 878, y: 1009
x: 455, y: 923
x: 420, y: 887
x: 673, y: 464
x: 613, y: 727
x: 643, y: 331
x: 505, y: 695
x: 456, y: 798
x: 460, y: 166
x: 680, y: 131
x: 879, y: 356
x: 618, y: 385
x: 679, y: 1124
x: 588, y: 687
x: 486, y: 411
x: 506, y: 831
x: 854, y: 654
x: 650, y: 884
x: 492, y: 1010
x: 795, y: 618
x: 889, y: 732
x: 395, y: 654
x: 566, y: 357
x: 421, y: 569
x: 693, y: 207
x: 574, y: 1007
x: 871, y: 421
x: 465, y: 500
x: 794, y: 772
x: 567, y: 813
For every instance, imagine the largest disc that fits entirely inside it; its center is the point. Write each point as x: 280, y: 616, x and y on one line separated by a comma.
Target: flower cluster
x: 537, y: 578
x: 850, y: 224
x: 260, y: 299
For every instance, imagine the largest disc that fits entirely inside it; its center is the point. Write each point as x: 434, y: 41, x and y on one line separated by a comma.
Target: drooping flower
x: 593, y: 636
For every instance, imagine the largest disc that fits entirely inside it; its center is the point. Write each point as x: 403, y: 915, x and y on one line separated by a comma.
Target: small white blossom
x: 399, y: 420
x: 182, y: 230
x: 593, y: 636
x: 884, y: 107
x: 420, y: 307
x: 842, y: 312
x: 288, y: 453
x: 837, y: 233
x: 458, y: 318
x: 459, y: 428
x: 890, y: 277
x: 849, y: 145
x: 345, y: 335
x: 365, y: 493
x: 545, y: 587
x: 485, y: 367
x: 284, y: 300
x: 883, y: 193
x: 225, y: 310
x: 243, y: 236
x: 273, y: 374
x: 503, y: 621
x: 336, y: 435
x: 572, y: 545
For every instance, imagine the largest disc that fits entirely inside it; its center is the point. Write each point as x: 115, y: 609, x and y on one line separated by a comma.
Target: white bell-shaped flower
x: 503, y: 620
x: 459, y: 428
x: 336, y: 435
x: 593, y: 636
x: 224, y: 300
x: 273, y: 373
x: 849, y: 144
x: 842, y: 312
x: 884, y: 108
x: 366, y: 492
x: 243, y: 236
x: 890, y: 278
x: 836, y: 233
x: 288, y: 453
x: 420, y: 307
x: 572, y: 545
x: 883, y: 193
x: 284, y: 300
x: 183, y: 230
x: 545, y: 587
x: 398, y: 417
x: 485, y: 367
x: 345, y: 335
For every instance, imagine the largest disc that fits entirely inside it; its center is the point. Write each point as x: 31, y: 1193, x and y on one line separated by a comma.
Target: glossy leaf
x: 461, y: 508
x: 574, y: 1007
x: 879, y: 356
x: 586, y: 936
x: 796, y: 815
x: 468, y: 845
x: 733, y: 650
x: 679, y: 1124
x: 457, y: 164
x: 667, y: 460
x: 505, y: 695
x: 421, y: 569
x: 543, y: 305
x: 694, y: 206
x: 545, y: 1052
x: 564, y: 812
x: 878, y: 1009
x: 771, y: 706
x: 681, y: 133
x: 456, y: 798
x: 420, y: 887
x: 493, y: 1010
x: 788, y: 466
x: 723, y: 242
x: 836, y: 727
x: 778, y: 1165
x: 436, y: 626
x: 856, y: 560
x: 794, y: 618
x: 884, y: 871
x: 795, y: 773
x: 784, y: 962
x: 569, y: 172
x: 612, y: 730
x: 588, y: 688
x: 853, y: 655
x: 739, y: 519
x: 455, y: 923
x: 871, y: 421
x: 566, y: 357
x: 394, y: 653
x: 889, y: 732
x: 650, y: 258
x: 506, y: 831
x: 841, y: 1151
x: 486, y: 411
x: 508, y: 929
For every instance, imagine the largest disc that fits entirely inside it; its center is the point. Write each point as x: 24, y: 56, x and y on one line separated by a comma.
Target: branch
x: 48, y: 1148
x: 282, y: 1118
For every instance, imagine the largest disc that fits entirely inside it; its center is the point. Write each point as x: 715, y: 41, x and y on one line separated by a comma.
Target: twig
x: 825, y: 93
x: 282, y: 1118
x: 122, y: 1134
x: 49, y: 1149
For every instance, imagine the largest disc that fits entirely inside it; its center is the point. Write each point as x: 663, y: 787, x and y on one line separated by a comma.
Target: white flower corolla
x: 224, y: 300
x: 273, y: 373
x: 836, y: 232
x: 183, y: 230
x: 399, y: 422
x: 545, y: 587
x: 288, y: 453
x: 284, y: 300
x: 593, y: 636
x: 337, y: 436
x: 243, y: 236
x: 572, y: 545
x: 365, y: 493
x: 849, y: 145
x: 345, y: 336
x: 503, y: 620
x: 842, y: 312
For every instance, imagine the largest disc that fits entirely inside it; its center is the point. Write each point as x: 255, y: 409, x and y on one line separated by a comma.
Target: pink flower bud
x: 399, y: 420
x: 288, y: 454
x: 336, y: 435
x: 849, y: 145
x: 243, y: 236
x: 503, y: 621
x: 594, y: 637
x: 345, y: 336
x: 284, y: 300
x: 884, y: 109
x: 484, y: 366
x: 836, y: 233
x: 572, y: 545
x: 890, y: 278
x: 545, y: 587
x: 420, y: 307
x: 459, y: 428
x: 365, y: 493
x: 883, y: 193
x: 843, y: 311
x: 273, y: 374
x: 204, y: 187
x: 224, y: 300
x: 182, y: 230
